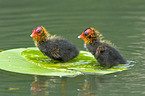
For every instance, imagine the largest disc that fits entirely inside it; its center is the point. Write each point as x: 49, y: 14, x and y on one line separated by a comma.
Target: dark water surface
x: 120, y: 21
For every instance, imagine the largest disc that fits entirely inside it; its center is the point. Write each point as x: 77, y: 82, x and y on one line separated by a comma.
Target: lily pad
x: 11, y: 60
x: 32, y: 61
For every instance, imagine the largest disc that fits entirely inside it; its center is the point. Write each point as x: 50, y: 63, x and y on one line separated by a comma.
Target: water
x: 120, y: 21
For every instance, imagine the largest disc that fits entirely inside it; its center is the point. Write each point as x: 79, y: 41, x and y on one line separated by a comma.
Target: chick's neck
x: 41, y: 39
x: 92, y: 40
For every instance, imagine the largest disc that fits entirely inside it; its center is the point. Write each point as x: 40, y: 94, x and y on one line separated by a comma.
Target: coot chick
x: 52, y: 46
x: 104, y: 52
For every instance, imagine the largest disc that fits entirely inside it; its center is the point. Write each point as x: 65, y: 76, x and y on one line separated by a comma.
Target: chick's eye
x: 39, y: 32
x: 86, y: 33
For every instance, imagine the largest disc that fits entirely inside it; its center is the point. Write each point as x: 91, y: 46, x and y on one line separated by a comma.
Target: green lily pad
x: 11, y: 60
x: 32, y: 61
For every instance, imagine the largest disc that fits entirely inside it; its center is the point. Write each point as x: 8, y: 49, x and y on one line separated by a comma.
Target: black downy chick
x: 104, y: 53
x: 52, y: 46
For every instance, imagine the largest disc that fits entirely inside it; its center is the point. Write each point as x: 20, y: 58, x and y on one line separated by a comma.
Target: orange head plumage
x: 39, y: 35
x: 90, y: 36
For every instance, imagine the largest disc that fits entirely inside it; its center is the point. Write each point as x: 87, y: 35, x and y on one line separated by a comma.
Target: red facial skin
x: 36, y: 32
x: 89, y: 36
x: 39, y: 35
x: 83, y: 36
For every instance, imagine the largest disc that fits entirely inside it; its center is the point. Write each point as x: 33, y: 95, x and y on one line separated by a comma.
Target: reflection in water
x: 39, y: 87
x: 45, y: 86
x: 55, y: 86
x: 106, y: 85
x: 87, y: 89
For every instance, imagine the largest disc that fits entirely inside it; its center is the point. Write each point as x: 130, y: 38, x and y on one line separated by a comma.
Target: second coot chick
x: 104, y: 53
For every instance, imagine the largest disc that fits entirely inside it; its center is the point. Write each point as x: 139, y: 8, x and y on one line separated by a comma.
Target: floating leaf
x: 32, y: 61
x: 84, y: 60
x: 11, y: 60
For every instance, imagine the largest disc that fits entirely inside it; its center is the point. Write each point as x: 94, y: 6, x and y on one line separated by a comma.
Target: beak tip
x: 78, y: 36
x: 31, y: 35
